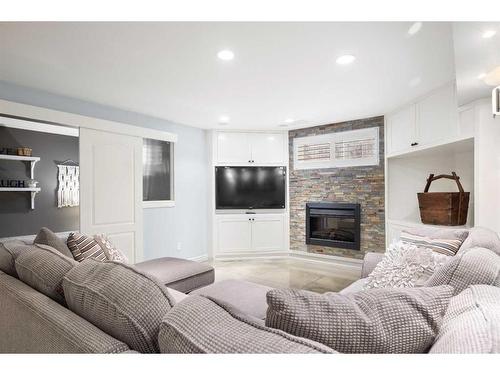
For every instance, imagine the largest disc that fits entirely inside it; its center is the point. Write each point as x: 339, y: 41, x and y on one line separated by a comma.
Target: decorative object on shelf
x: 8, y: 151
x: 8, y: 183
x: 24, y: 151
x: 444, y: 208
x: 68, y: 192
x: 32, y: 183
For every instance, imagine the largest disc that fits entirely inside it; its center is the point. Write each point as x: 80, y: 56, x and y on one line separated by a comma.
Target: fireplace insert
x: 333, y: 225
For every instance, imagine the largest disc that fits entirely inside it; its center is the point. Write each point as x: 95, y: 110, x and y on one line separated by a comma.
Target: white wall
x: 487, y: 148
x: 164, y: 228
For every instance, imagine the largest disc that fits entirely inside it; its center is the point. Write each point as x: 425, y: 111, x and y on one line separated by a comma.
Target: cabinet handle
x: 414, y: 144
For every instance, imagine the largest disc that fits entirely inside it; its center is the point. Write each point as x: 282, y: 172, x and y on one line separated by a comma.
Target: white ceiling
x: 280, y: 70
x: 474, y: 55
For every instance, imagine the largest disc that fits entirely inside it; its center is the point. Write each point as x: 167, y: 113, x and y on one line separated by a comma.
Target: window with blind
x: 343, y: 149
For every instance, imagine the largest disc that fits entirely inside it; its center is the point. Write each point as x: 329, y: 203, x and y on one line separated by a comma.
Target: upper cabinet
x: 250, y: 148
x: 430, y: 121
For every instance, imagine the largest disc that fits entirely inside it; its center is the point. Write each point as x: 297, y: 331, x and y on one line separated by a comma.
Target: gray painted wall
x: 16, y: 217
x: 164, y: 228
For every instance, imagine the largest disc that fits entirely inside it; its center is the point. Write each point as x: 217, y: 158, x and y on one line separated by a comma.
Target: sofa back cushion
x: 46, y: 237
x: 42, y: 267
x: 472, y: 267
x: 390, y: 320
x: 9, y: 250
x: 481, y: 237
x: 120, y: 300
x: 471, y: 323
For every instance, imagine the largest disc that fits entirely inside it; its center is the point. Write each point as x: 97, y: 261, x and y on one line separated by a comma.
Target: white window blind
x: 341, y: 149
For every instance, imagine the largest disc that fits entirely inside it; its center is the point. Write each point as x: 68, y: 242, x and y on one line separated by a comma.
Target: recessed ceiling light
x: 345, y: 59
x: 225, y: 55
x: 489, y: 34
x: 415, y: 82
x: 224, y: 120
x: 289, y: 120
x: 415, y: 28
x: 481, y: 76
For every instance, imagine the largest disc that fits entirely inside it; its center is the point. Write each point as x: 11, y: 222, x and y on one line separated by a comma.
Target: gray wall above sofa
x: 16, y: 216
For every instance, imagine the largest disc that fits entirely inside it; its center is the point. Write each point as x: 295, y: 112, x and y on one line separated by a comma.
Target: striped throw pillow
x: 83, y: 247
x: 447, y: 243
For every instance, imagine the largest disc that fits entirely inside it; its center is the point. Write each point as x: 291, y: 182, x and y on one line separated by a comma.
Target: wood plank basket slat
x: 443, y: 208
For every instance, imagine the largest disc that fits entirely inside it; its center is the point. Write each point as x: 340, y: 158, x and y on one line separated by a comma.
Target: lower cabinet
x: 249, y: 233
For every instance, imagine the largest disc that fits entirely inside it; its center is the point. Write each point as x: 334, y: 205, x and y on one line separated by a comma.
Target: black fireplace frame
x: 352, y: 210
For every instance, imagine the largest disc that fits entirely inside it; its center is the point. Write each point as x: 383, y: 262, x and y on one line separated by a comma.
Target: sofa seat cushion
x: 389, y: 320
x: 201, y: 325
x: 250, y: 298
x: 46, y: 237
x: 473, y: 267
x: 9, y: 250
x: 43, y: 268
x: 471, y: 323
x: 119, y: 299
x: 179, y: 274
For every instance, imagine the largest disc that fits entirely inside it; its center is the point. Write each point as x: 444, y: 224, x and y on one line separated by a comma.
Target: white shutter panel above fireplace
x: 342, y: 149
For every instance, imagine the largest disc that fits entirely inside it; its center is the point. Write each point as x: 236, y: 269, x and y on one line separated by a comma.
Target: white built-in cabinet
x: 247, y: 148
x: 429, y: 121
x: 429, y: 135
x: 250, y: 233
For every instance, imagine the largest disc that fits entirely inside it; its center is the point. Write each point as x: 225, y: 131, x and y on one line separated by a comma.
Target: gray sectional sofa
x: 115, y: 308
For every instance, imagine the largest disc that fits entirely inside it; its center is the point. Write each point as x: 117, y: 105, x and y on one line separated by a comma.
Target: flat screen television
x: 250, y: 187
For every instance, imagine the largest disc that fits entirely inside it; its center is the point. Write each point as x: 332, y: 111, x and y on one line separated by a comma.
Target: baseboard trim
x: 351, y: 263
x: 200, y: 258
x: 253, y: 255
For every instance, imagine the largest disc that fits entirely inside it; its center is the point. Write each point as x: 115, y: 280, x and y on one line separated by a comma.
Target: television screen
x: 250, y: 187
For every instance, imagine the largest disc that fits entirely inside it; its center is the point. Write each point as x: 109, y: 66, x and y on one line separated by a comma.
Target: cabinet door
x: 401, y: 130
x: 437, y: 117
x: 268, y: 233
x: 233, y: 148
x: 233, y: 234
x: 268, y: 148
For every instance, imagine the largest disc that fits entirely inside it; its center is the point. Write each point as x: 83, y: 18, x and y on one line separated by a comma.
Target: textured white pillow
x: 405, y: 265
x: 110, y: 250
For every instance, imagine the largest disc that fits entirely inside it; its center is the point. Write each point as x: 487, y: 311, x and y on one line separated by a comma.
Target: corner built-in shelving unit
x: 427, y: 136
x: 32, y: 190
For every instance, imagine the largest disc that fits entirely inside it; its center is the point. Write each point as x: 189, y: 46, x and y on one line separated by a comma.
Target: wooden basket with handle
x: 443, y: 208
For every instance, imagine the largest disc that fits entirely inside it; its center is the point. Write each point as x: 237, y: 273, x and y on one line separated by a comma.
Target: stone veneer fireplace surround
x: 363, y: 185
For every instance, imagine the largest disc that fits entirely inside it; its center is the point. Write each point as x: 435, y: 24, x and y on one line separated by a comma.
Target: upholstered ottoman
x: 245, y: 296
x: 179, y: 274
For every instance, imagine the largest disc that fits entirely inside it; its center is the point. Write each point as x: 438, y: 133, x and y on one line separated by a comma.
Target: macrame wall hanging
x: 68, y: 193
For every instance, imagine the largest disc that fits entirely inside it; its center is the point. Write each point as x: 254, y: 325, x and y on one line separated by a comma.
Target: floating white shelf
x: 32, y: 160
x: 19, y: 158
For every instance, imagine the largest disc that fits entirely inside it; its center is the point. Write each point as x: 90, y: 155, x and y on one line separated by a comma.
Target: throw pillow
x: 444, y: 241
x: 404, y: 265
x: 110, y: 250
x: 43, y: 267
x: 473, y: 267
x: 389, y: 320
x: 83, y: 247
x: 119, y: 299
x: 46, y: 237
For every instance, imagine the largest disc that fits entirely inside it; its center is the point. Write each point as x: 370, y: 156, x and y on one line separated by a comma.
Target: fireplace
x: 333, y: 225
